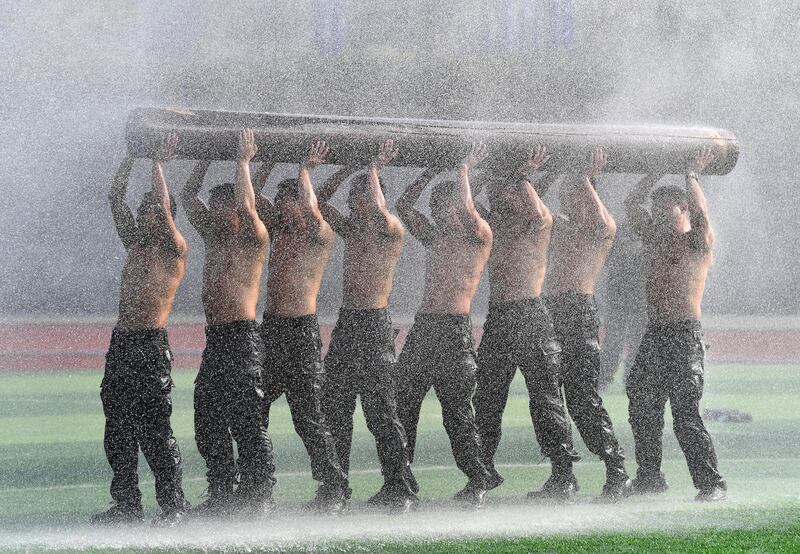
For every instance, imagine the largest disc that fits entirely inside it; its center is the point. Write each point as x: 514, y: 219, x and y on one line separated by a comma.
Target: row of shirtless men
x: 552, y: 339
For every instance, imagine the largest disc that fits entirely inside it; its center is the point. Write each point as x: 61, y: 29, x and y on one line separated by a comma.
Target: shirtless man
x: 229, y: 391
x: 136, y: 385
x: 669, y: 364
x: 582, y: 237
x: 361, y: 356
x: 301, y: 245
x: 439, y: 350
x: 518, y: 332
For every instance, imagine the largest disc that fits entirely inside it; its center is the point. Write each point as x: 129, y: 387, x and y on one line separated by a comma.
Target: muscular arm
x: 266, y: 211
x: 196, y: 210
x: 536, y: 214
x: 334, y: 217
x: 123, y: 217
x: 698, y: 207
x: 415, y: 221
x: 175, y: 240
x: 389, y: 225
x: 243, y: 193
x: 595, y: 214
x: 471, y: 218
x: 308, y: 199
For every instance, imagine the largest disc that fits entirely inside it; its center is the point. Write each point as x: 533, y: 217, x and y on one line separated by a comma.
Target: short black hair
x: 361, y: 181
x: 173, y: 207
x: 669, y: 194
x: 223, y: 194
x: 288, y: 186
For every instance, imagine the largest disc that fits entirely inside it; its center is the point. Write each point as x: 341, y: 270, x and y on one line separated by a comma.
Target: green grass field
x: 54, y: 475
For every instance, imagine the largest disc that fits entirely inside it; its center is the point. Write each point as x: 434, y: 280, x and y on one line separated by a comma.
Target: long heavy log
x: 428, y: 143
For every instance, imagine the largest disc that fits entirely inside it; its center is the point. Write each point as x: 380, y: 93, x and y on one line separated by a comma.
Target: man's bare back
x: 679, y: 242
x: 457, y: 247
x: 373, y: 236
x: 583, y: 238
x: 157, y: 251
x: 521, y: 225
x: 296, y: 267
x: 302, y: 243
x: 453, y: 266
x: 235, y: 239
x: 150, y: 280
x: 370, y: 260
x: 231, y: 278
x: 676, y: 279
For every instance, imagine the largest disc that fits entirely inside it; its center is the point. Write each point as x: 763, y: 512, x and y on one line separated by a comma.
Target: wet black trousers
x: 361, y: 362
x: 519, y: 335
x: 293, y: 366
x: 136, y: 399
x: 229, y: 406
x: 669, y: 366
x: 439, y: 352
x: 577, y: 327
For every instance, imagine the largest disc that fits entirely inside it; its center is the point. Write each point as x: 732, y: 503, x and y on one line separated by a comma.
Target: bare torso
x: 231, y: 278
x: 676, y: 279
x: 578, y: 256
x: 370, y: 258
x: 150, y: 280
x: 296, y: 266
x: 453, y: 267
x: 519, y: 259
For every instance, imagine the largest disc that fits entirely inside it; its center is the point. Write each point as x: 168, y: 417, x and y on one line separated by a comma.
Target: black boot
x: 495, y: 479
x: 172, y: 517
x: 394, y: 499
x: 561, y: 487
x: 330, y: 499
x: 650, y: 484
x: 220, y: 502
x: 472, y: 496
x: 714, y: 493
x: 119, y: 514
x: 618, y: 485
x: 557, y: 489
x: 254, y: 502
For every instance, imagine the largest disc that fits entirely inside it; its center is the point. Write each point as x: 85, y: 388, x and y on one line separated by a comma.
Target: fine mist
x: 74, y: 70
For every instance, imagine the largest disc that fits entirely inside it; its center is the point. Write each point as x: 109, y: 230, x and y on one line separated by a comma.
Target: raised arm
x: 161, y: 194
x: 535, y: 213
x: 196, y: 210
x: 123, y: 217
x: 698, y: 207
x: 386, y: 154
x: 636, y: 214
x: 243, y: 193
x: 471, y: 218
x: 264, y: 207
x: 415, y: 221
x: 334, y: 217
x: 595, y: 214
x: 308, y: 199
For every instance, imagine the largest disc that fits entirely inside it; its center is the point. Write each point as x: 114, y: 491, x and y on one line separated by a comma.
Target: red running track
x: 53, y: 347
